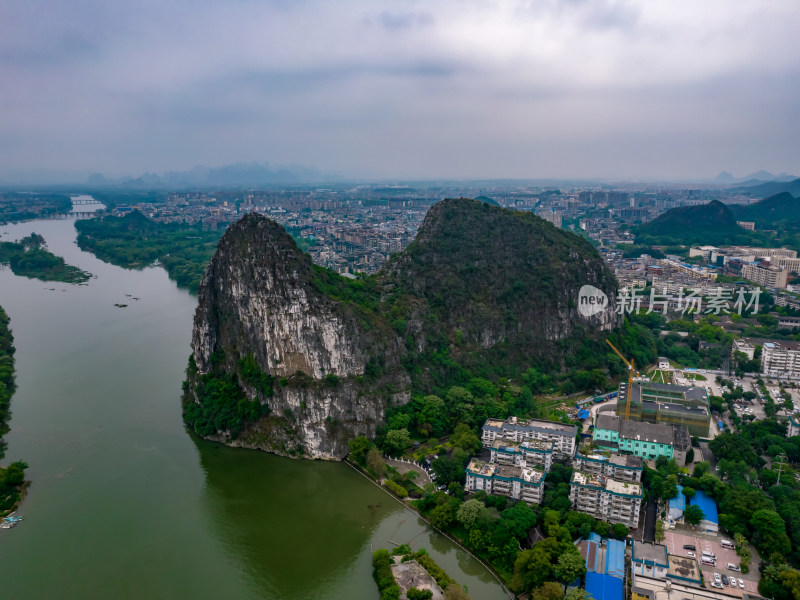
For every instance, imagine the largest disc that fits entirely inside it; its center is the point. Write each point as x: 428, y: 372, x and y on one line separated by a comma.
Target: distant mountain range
x: 770, y: 188
x: 233, y: 175
x: 726, y: 178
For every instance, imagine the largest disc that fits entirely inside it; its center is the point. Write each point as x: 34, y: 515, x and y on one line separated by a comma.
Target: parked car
x: 741, y: 583
x: 689, y: 547
x: 733, y: 567
x: 733, y: 581
x: 714, y: 584
x: 725, y: 579
x: 691, y: 555
x: 716, y: 578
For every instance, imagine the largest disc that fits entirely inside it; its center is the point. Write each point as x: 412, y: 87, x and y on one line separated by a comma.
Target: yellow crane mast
x: 632, y: 372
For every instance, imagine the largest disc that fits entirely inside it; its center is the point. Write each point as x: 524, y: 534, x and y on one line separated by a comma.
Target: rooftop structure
x: 603, y: 587
x: 605, y: 498
x: 666, y: 403
x: 561, y: 434
x: 649, y: 559
x: 651, y: 588
x: 624, y: 467
x: 519, y: 483
x: 642, y: 439
x: 522, y: 454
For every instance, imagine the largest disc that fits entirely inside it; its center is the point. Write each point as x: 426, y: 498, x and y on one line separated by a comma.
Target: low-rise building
x: 649, y: 559
x: 561, y: 434
x: 645, y: 440
x: 710, y: 521
x: 605, y: 498
x: 624, y: 467
x: 518, y: 483
x: 793, y: 427
x: 522, y: 454
x: 665, y: 403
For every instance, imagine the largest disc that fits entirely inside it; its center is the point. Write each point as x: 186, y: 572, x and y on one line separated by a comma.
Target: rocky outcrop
x: 291, y: 358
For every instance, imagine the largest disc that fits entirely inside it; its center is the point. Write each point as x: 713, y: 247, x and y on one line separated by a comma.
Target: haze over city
x: 475, y: 89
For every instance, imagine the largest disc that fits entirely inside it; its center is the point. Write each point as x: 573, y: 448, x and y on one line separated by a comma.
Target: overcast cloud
x: 433, y: 89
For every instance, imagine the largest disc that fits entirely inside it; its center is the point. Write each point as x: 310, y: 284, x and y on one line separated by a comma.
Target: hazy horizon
x: 601, y: 90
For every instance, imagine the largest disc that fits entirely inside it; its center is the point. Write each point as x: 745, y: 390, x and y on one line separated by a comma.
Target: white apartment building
x: 561, y: 434
x: 781, y: 359
x: 773, y: 277
x: 605, y: 498
x: 518, y: 483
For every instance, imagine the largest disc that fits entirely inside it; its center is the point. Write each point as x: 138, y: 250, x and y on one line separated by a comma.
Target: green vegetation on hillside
x: 30, y: 258
x: 135, y: 242
x: 12, y: 478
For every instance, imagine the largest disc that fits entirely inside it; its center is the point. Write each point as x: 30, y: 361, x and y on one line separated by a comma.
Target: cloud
x: 453, y: 88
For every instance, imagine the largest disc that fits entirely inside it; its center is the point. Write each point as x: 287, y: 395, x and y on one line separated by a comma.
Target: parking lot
x: 675, y: 542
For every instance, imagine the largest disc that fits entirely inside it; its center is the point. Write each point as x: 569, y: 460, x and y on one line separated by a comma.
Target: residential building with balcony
x: 522, y: 454
x: 605, y: 498
x: 562, y: 435
x: 623, y: 467
x: 518, y: 483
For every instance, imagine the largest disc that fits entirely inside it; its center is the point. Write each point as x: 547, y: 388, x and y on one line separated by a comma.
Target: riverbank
x: 29, y: 257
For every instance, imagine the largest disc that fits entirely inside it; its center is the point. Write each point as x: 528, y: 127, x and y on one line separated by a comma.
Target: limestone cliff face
x: 324, y: 357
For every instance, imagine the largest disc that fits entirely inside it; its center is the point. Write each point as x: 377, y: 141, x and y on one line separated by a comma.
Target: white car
x: 717, y: 578
x: 732, y: 581
x: 714, y: 584
x: 691, y: 555
x: 741, y: 583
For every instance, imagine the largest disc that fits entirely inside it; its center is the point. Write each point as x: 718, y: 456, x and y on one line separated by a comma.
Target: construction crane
x: 632, y: 372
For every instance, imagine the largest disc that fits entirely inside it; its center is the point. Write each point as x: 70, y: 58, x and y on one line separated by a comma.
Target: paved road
x: 404, y: 467
x: 651, y: 512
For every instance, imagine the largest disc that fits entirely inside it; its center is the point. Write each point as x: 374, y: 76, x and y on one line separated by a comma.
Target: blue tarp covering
x: 707, y: 505
x: 603, y: 587
x: 583, y: 414
x: 615, y: 558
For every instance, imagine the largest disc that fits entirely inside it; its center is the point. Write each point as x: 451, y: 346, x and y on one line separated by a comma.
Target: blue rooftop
x: 707, y: 505
x: 583, y: 414
x: 603, y: 587
x: 615, y: 558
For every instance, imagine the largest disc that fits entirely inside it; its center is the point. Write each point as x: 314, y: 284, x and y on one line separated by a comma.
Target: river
x: 125, y: 503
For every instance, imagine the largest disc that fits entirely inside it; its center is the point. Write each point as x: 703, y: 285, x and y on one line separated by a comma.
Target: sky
x: 666, y: 90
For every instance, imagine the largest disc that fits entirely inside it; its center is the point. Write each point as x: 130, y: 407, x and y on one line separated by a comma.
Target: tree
x: 689, y: 492
x: 693, y: 514
x: 769, y: 533
x: 570, y: 566
x: 455, y: 592
x: 469, y: 512
x: 417, y: 594
x: 443, y: 515
x: 533, y: 567
x: 466, y: 439
x: 450, y: 468
x: 358, y: 449
x: 577, y: 594
x: 397, y: 441
x: 549, y: 590
x: 375, y: 463
x: 620, y: 531
x: 690, y: 456
x: 659, y: 530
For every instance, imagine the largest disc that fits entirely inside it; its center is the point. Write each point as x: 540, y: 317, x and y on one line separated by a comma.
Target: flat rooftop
x: 479, y: 467
x: 651, y: 554
x: 514, y: 424
x: 532, y: 445
x: 527, y: 474
x: 627, y: 488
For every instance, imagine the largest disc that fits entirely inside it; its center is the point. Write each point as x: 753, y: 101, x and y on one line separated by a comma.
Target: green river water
x: 124, y: 503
